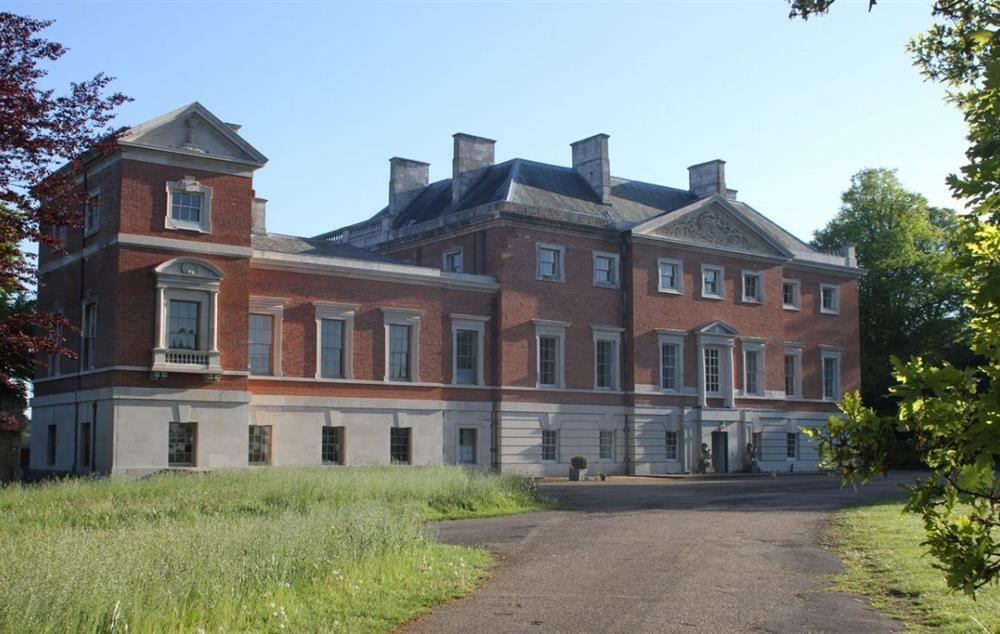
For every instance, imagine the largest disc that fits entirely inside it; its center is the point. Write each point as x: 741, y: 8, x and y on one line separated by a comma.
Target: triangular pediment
x: 193, y: 130
x: 713, y: 222
x: 717, y: 327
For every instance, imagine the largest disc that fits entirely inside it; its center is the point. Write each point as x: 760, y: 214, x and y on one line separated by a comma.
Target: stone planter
x: 575, y: 475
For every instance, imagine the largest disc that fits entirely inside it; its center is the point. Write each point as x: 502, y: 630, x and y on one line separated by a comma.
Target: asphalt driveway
x: 657, y: 555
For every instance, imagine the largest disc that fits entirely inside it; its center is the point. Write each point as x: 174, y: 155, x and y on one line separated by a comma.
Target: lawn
x: 271, y: 550
x: 885, y: 561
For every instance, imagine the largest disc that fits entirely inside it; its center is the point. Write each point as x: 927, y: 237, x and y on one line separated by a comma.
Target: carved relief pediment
x: 715, y: 226
x: 189, y: 268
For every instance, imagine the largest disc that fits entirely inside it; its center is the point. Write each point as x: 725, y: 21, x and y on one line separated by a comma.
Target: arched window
x: 187, y: 291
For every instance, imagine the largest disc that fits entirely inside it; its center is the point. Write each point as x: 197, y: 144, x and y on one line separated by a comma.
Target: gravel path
x: 664, y: 555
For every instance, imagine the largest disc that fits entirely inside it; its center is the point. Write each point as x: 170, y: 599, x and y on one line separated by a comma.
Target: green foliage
x: 910, y: 297
x: 301, y: 550
x: 954, y: 414
x: 578, y: 462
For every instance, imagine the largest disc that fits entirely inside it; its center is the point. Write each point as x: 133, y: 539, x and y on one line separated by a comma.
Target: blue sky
x: 330, y: 90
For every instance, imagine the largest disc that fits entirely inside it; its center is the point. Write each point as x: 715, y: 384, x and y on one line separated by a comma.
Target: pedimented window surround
x: 344, y: 313
x: 190, y: 280
x: 188, y: 185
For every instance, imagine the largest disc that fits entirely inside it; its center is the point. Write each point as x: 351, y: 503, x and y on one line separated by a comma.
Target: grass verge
x: 880, y: 546
x: 273, y: 550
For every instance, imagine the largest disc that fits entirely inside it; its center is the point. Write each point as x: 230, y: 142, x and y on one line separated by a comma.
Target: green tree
x: 953, y: 413
x: 910, y: 300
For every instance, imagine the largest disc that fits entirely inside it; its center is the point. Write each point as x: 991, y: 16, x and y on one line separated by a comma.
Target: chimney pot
x: 709, y: 178
x: 407, y: 178
x: 590, y: 160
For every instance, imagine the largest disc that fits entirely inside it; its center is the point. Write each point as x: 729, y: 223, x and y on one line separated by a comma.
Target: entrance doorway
x: 720, y: 451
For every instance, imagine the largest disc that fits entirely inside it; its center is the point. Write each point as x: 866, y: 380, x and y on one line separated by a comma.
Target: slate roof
x: 281, y: 243
x: 544, y: 187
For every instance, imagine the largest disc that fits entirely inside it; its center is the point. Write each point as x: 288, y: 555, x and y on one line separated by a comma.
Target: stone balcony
x: 204, y: 362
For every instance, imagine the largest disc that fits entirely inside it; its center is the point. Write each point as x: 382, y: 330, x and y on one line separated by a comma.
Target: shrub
x: 579, y: 462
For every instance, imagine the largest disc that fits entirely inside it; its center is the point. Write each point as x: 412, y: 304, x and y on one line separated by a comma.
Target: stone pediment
x: 719, y: 328
x: 190, y: 268
x: 714, y: 224
x: 194, y: 130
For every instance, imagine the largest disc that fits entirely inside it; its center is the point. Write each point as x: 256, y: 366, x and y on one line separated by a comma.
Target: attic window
x: 189, y: 206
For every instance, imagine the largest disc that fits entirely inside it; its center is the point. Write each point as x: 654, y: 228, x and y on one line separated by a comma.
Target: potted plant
x: 578, y: 468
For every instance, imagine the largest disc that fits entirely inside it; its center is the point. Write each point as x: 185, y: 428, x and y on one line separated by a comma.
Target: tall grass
x: 266, y: 550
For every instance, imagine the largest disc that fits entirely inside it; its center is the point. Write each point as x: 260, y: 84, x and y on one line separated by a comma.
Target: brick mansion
x: 509, y: 317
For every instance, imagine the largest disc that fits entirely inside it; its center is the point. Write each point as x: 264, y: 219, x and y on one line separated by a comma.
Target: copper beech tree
x: 952, y: 413
x: 40, y: 131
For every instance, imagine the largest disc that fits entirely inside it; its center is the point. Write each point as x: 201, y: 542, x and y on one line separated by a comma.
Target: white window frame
x: 674, y: 338
x: 797, y: 294
x: 615, y: 269
x: 344, y: 313
x: 798, y: 445
x: 836, y: 299
x: 444, y: 260
x: 542, y: 446
x: 561, y: 273
x: 611, y: 334
x: 275, y: 307
x: 92, y: 221
x: 719, y: 350
x: 677, y: 445
x: 600, y: 436
x: 794, y: 351
x: 557, y: 329
x: 759, y: 298
x: 831, y: 352
x: 758, y: 348
x: 403, y: 317
x: 477, y: 323
x: 722, y: 281
x: 678, y: 287
x: 189, y: 185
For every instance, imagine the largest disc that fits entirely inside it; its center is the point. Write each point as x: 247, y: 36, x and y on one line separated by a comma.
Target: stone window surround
x: 836, y: 299
x: 672, y: 337
x: 344, y: 313
x: 795, y: 350
x: 760, y: 286
x: 90, y: 228
x: 830, y: 352
x: 726, y: 345
x: 678, y: 289
x: 188, y: 279
x: 615, y: 269
x: 751, y: 344
x: 561, y: 260
x: 477, y: 323
x: 549, y: 328
x: 614, y: 335
x: 797, y: 293
x: 555, y: 433
x: 600, y: 436
x: 275, y: 307
x: 403, y: 317
x: 444, y: 259
x: 722, y: 281
x: 189, y: 185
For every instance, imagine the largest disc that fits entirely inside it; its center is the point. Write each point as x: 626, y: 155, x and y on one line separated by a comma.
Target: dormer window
x: 189, y: 205
x: 453, y: 261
